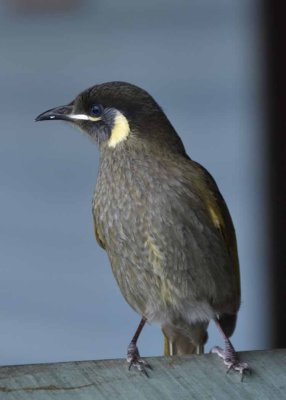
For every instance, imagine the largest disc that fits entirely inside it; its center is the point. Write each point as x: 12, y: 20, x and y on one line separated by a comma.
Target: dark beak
x: 57, y: 113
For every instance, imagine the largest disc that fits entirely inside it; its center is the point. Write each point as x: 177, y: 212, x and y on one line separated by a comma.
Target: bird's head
x: 112, y: 113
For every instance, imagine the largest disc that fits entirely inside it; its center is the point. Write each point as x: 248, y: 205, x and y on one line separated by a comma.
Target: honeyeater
x: 161, y: 219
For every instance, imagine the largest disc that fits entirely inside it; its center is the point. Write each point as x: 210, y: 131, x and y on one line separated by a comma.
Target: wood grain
x: 188, y: 377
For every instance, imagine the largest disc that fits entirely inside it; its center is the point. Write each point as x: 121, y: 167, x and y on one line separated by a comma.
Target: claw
x: 231, y: 361
x: 229, y: 368
x: 134, y: 359
x: 140, y: 365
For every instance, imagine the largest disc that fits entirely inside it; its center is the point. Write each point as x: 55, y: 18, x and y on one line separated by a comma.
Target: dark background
x: 215, y: 69
x: 275, y: 100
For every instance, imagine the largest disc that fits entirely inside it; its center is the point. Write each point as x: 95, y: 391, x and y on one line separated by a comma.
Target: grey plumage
x: 169, y: 259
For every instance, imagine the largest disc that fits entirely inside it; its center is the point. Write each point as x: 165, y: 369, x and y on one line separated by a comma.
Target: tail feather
x: 228, y: 322
x: 181, y: 345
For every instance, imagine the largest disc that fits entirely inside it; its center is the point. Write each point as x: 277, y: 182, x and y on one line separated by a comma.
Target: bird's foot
x: 230, y: 359
x: 134, y: 359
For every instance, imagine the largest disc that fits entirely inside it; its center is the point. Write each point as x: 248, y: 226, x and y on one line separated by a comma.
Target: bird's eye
x: 96, y: 110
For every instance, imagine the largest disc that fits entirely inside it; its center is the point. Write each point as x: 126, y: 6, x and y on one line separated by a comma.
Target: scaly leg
x: 133, y: 356
x: 229, y: 355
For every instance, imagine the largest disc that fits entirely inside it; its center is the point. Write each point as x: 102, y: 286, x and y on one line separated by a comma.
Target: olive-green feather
x: 99, y: 238
x: 220, y: 216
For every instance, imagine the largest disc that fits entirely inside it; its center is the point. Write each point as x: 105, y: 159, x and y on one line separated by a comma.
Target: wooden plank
x: 188, y: 377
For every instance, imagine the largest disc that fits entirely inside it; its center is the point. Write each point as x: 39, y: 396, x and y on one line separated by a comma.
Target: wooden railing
x: 172, y: 378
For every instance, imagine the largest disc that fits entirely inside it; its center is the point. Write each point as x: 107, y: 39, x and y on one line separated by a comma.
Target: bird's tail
x: 179, y: 344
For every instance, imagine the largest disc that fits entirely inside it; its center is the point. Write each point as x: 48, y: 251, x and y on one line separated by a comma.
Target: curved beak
x: 57, y: 113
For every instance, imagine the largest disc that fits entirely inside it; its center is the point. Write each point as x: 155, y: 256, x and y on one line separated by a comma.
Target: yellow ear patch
x: 120, y: 130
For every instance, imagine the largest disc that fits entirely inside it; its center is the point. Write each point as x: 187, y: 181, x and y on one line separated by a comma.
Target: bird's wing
x: 99, y: 237
x: 221, y: 219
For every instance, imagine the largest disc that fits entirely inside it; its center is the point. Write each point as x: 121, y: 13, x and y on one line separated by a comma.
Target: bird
x: 161, y: 219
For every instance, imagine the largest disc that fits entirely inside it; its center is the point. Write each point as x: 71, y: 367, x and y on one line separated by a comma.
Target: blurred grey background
x: 201, y: 61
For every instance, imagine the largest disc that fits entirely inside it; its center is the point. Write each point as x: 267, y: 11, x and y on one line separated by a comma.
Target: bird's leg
x: 133, y: 356
x: 229, y: 355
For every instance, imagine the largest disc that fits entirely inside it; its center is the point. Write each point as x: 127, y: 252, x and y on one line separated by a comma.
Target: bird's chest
x: 120, y: 206
x: 126, y: 209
